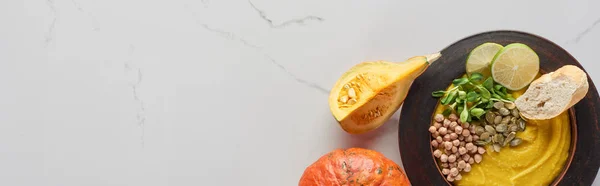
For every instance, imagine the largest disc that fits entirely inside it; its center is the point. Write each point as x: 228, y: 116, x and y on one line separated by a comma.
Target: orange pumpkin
x: 354, y: 166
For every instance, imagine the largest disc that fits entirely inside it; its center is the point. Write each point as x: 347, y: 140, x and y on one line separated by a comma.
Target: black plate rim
x: 583, y: 167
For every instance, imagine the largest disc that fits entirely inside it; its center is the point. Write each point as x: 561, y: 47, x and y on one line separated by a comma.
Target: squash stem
x: 432, y: 57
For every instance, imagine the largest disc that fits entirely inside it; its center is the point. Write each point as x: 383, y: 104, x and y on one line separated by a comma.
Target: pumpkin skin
x: 354, y: 166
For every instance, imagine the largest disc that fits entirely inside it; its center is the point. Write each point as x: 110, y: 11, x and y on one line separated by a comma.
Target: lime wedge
x: 480, y: 58
x: 515, y: 66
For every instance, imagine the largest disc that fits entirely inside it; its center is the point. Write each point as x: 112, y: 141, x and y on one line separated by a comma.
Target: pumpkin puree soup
x: 537, y: 161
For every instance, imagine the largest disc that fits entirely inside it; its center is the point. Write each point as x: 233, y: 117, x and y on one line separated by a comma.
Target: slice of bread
x: 553, y: 93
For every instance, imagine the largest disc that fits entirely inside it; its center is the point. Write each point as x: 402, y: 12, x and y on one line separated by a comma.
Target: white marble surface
x: 218, y: 92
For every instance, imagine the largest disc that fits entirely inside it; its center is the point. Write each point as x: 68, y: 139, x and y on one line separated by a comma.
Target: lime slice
x: 480, y: 58
x: 515, y: 66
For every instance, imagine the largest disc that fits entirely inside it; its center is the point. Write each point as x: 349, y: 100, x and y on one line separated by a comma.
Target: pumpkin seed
x: 504, y: 111
x: 509, y: 138
x: 351, y: 93
x: 484, y: 136
x: 513, y: 120
x: 501, y: 128
x: 515, y: 113
x: 481, y: 142
x: 513, y: 127
x: 498, y: 105
x: 510, y: 105
x: 515, y: 142
x: 497, y: 120
x: 496, y: 147
x: 479, y: 130
x: 490, y: 129
x: 521, y: 124
x: 498, y: 138
x: 489, y: 117
x: 505, y: 120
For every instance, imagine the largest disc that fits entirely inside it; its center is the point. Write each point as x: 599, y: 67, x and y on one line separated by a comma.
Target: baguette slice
x: 553, y: 93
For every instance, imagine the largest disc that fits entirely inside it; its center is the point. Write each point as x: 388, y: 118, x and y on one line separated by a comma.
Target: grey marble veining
x: 219, y: 92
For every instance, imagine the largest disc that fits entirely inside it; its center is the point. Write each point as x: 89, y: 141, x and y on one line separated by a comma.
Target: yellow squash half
x: 369, y: 93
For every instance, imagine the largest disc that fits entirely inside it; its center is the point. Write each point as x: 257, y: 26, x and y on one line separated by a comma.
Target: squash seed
x: 510, y: 105
x: 498, y: 105
x: 484, y: 136
x: 501, y: 128
x: 489, y: 117
x: 509, y: 138
x: 497, y: 120
x: 344, y: 99
x: 351, y: 101
x: 513, y: 120
x: 504, y: 111
x: 505, y: 120
x: 479, y: 130
x: 490, y: 129
x: 498, y: 138
x: 513, y: 127
x: 521, y: 124
x: 496, y: 147
x: 515, y: 113
x: 515, y: 142
x: 351, y: 93
x: 481, y: 142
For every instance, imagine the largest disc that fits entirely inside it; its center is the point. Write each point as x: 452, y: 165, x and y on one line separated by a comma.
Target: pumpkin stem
x: 432, y: 57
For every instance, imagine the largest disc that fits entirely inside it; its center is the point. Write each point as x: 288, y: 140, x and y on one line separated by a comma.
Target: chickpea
x: 473, y: 150
x: 436, y: 134
x: 444, y: 158
x: 477, y: 158
x: 466, y: 133
x: 453, y: 117
x: 453, y: 136
x: 456, y: 143
x: 451, y: 158
x: 432, y: 129
x: 465, y: 125
x: 445, y: 165
x: 434, y: 143
x: 439, y: 118
x: 450, y: 178
x: 442, y: 131
x: 471, y: 160
x: 466, y: 157
x: 467, y: 168
x: 454, y: 150
x: 469, y: 138
x: 469, y: 146
x: 454, y: 171
x: 446, y: 123
x: 453, y: 125
x: 437, y: 153
x: 439, y: 139
x: 461, y: 164
x: 462, y: 150
x: 458, y: 177
x: 481, y: 150
x: 437, y: 125
x: 458, y: 130
x: 448, y: 145
x: 447, y: 137
x: 445, y: 171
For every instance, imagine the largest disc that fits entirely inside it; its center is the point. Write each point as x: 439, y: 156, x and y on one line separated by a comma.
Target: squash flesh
x: 380, y: 87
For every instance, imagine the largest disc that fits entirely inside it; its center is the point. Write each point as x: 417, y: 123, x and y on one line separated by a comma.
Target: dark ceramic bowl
x: 414, y: 138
